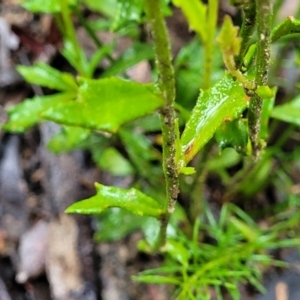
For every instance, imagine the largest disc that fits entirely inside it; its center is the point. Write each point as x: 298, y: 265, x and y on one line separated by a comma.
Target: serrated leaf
x: 195, y: 13
x: 46, y: 76
x: 228, y: 38
x: 27, y: 113
x: 108, y: 196
x: 288, y: 112
x: 225, y: 100
x: 106, y: 104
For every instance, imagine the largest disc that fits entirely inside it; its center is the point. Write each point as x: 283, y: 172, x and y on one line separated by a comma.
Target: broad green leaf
x: 129, y: 58
x: 106, y: 104
x: 195, y: 13
x: 46, y: 76
x: 108, y: 196
x: 68, y: 139
x: 288, y: 112
x: 27, y: 113
x: 225, y: 100
x: 41, y: 6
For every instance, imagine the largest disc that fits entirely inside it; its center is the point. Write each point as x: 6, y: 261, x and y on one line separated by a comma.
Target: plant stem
x: 264, y: 19
x: 209, y: 43
x: 247, y: 28
x: 90, y: 31
x: 71, y: 35
x: 167, y: 113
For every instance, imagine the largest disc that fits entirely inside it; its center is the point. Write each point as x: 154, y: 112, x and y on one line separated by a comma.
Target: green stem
x: 71, y: 35
x: 90, y: 31
x: 247, y: 28
x: 209, y: 43
x: 167, y: 113
x: 264, y: 19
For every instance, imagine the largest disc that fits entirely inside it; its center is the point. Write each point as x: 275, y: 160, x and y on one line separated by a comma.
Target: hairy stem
x: 167, y: 113
x: 264, y: 19
x: 247, y: 28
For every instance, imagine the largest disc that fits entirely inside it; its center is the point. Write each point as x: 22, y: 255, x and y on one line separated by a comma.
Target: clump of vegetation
x: 228, y: 132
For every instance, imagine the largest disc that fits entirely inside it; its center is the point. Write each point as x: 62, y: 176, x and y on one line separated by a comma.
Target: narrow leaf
x: 68, y: 139
x: 46, y: 76
x: 195, y: 13
x: 106, y: 104
x: 108, y: 196
x: 129, y: 58
x: 27, y: 113
x: 225, y: 100
x: 289, y: 112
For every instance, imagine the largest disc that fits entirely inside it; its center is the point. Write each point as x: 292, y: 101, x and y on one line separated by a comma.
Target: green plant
x: 235, y: 107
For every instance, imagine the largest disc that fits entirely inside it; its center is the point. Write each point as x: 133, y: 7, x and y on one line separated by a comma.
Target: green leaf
x: 268, y: 105
x: 80, y: 64
x: 52, y: 6
x: 228, y: 38
x: 157, y: 279
x: 106, y: 104
x: 114, y: 224
x: 289, y: 112
x: 177, y: 251
x: 68, y: 139
x: 233, y: 134
x: 108, y: 196
x: 129, y: 58
x: 112, y: 161
x: 264, y: 91
x: 46, y: 76
x: 27, y: 113
x: 127, y: 11
x: 195, y: 13
x: 225, y: 100
x: 106, y: 7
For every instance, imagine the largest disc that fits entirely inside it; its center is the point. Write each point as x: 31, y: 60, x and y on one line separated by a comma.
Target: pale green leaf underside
x: 108, y: 196
x: 106, y: 104
x: 225, y: 100
x: 46, y: 76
